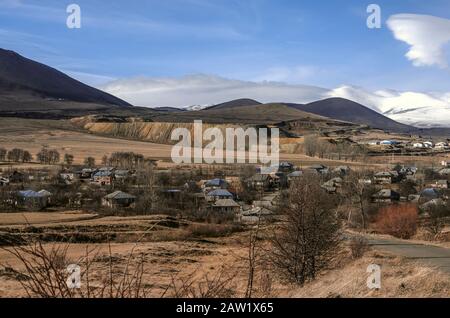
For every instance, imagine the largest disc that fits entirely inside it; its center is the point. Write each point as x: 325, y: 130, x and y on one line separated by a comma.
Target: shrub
x: 398, y: 220
x: 358, y: 247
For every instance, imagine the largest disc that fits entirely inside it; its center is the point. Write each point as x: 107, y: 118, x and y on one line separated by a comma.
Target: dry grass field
x: 33, y: 134
x: 42, y: 218
x: 171, y: 262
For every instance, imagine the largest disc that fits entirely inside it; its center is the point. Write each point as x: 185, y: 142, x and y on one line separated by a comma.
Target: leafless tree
x: 310, y: 145
x: 308, y: 239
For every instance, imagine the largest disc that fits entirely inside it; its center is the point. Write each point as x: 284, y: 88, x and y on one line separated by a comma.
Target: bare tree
x: 308, y: 239
x: 358, y: 192
x: 68, y: 159
x: 90, y: 162
x: 310, y: 145
x: 3, y: 153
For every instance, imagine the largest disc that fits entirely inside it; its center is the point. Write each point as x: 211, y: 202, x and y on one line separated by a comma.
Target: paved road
x: 433, y: 255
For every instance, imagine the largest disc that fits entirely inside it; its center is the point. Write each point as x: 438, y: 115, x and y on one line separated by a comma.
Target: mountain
x: 243, y: 102
x: 347, y: 110
x: 31, y: 84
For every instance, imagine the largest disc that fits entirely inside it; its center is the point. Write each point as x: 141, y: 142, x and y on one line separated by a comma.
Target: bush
x: 213, y: 230
x: 398, y: 220
x: 358, y: 247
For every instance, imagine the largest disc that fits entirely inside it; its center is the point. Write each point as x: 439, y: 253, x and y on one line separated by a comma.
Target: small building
x: 444, y: 172
x: 86, y: 174
x: 319, y: 168
x: 215, y: 184
x: 445, y: 163
x: 384, y: 177
x: 418, y: 145
x: 425, y: 207
x: 428, y: 194
x: 261, y: 182
x: 103, y: 178
x: 294, y: 175
x: 386, y: 196
x: 4, y: 181
x: 33, y: 200
x: 17, y: 177
x: 440, y: 184
x: 285, y: 167
x: 441, y: 145
x: 118, y: 199
x: 122, y: 174
x: 342, y: 170
x: 226, y: 207
x: 331, y: 186
x: 218, y: 194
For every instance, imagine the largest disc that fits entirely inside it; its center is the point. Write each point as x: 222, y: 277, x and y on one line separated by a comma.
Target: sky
x: 186, y: 52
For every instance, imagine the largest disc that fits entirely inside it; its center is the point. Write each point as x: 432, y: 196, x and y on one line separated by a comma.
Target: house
x: 122, y: 174
x: 408, y: 172
x: 389, y: 142
x: 33, y: 200
x: 428, y: 194
x: 215, y: 184
x: 418, y: 145
x: 342, y: 170
x: 425, y: 207
x: 4, y: 181
x: 219, y: 194
x: 440, y: 184
x: 441, y: 145
x: 103, y: 178
x: 384, y: 177
x: 261, y: 182
x: 226, y: 207
x: 444, y: 172
x: 17, y: 177
x: 118, y: 199
x: 294, y: 175
x: 320, y: 169
x: 86, y: 174
x: 386, y: 196
x: 67, y: 177
x: 285, y: 167
x: 332, y: 185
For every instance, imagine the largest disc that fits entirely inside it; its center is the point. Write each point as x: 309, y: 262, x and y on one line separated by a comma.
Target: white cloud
x: 427, y: 35
x: 207, y: 90
x: 414, y: 108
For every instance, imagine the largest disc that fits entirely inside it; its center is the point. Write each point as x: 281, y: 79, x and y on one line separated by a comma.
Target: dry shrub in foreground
x: 46, y: 274
x: 358, y: 246
x: 398, y: 220
x: 220, y: 284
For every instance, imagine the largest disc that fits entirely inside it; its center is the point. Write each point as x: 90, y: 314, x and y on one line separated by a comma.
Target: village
x: 129, y: 184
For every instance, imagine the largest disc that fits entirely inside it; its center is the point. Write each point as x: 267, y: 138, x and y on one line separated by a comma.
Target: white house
x: 441, y: 145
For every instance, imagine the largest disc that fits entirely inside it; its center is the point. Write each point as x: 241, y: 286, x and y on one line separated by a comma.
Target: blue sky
x: 321, y: 43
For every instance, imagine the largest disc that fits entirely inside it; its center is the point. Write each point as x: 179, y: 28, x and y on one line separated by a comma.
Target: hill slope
x: 243, y: 102
x: 22, y: 79
x: 347, y: 110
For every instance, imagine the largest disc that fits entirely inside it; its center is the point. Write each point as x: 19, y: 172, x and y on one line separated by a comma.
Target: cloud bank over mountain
x: 414, y: 108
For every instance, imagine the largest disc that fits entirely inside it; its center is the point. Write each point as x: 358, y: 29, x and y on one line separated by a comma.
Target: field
x: 33, y: 134
x: 177, y: 259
